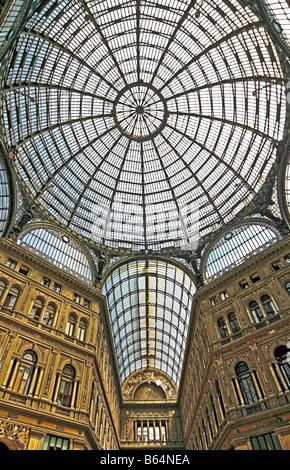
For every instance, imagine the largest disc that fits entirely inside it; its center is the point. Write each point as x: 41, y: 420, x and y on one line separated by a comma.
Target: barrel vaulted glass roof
x: 150, y: 304
x: 130, y: 118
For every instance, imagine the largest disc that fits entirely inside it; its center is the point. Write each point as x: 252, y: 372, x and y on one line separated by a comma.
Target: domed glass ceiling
x: 130, y: 121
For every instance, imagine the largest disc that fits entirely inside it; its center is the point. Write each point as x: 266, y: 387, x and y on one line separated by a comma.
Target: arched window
x: 66, y: 386
x: 287, y: 287
x: 49, y: 315
x: 222, y: 327
x: 36, y: 309
x: 11, y: 298
x: 268, y: 305
x: 71, y: 324
x: 282, y: 355
x: 22, y: 380
x: 82, y: 330
x: 2, y: 288
x: 246, y: 382
x: 234, y: 324
x: 256, y: 311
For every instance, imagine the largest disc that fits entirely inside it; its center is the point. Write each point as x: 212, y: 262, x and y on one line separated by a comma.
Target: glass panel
x: 237, y: 246
x: 4, y: 197
x: 149, y: 317
x: 64, y: 254
x: 137, y: 146
x: 281, y: 10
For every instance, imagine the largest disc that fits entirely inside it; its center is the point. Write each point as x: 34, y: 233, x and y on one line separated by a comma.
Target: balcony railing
x: 251, y: 328
x: 244, y: 411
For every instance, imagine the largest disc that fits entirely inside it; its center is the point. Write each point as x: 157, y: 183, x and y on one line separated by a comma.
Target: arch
x: 256, y: 311
x: 233, y: 322
x: 3, y: 286
x: 268, y: 305
x: 61, y: 248
x: 66, y: 386
x: 82, y: 329
x: 246, y: 382
x: 7, y: 194
x: 71, y: 324
x: 22, y: 372
x: 282, y: 357
x: 12, y: 297
x: 36, y: 308
x: 68, y: 177
x: 49, y: 314
x: 234, y: 247
x: 30, y: 355
x: 224, y: 333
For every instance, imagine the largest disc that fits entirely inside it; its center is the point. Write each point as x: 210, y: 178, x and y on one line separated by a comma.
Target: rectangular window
x: 266, y: 442
x: 46, y: 282
x: 255, y: 278
x: 277, y: 265
x: 213, y: 301
x: 243, y: 285
x: 287, y: 258
x: 23, y: 270
x: 57, y: 287
x: 11, y: 263
x: 87, y: 303
x: 224, y: 295
x: 55, y: 443
x: 76, y: 298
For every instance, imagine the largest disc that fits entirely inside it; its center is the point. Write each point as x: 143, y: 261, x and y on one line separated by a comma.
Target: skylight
x: 236, y: 246
x: 149, y: 304
x: 134, y: 122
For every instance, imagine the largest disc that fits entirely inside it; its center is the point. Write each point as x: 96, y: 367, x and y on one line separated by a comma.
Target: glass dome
x: 150, y: 303
x: 134, y: 123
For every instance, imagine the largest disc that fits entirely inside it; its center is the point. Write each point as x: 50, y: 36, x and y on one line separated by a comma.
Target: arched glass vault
x: 133, y: 123
x: 149, y: 302
x: 236, y: 246
x: 59, y: 248
x: 5, y: 197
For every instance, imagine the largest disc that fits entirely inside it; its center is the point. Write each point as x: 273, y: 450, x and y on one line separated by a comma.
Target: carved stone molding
x: 14, y: 435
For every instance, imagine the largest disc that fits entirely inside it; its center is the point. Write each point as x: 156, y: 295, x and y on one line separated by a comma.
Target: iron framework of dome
x: 139, y: 124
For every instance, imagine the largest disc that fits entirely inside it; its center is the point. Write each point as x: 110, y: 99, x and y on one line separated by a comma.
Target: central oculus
x: 140, y: 112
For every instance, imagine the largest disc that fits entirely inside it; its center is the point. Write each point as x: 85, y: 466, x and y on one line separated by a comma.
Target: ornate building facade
x: 144, y: 225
